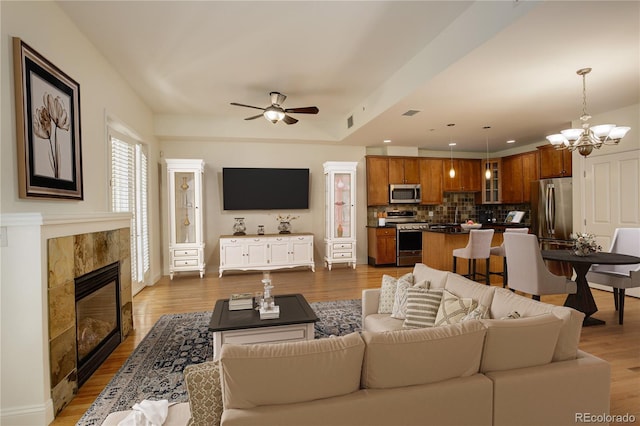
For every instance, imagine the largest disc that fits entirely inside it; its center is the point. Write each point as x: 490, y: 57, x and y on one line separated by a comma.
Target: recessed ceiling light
x: 452, y: 144
x: 411, y: 112
x: 511, y: 141
x: 387, y: 141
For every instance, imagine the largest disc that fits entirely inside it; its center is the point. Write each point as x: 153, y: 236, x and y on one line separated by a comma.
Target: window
x: 129, y: 188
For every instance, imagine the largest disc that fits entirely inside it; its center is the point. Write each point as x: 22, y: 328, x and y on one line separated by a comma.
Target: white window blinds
x: 129, y: 184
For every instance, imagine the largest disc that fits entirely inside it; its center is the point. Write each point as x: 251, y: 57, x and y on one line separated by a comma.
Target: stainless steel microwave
x: 404, y: 193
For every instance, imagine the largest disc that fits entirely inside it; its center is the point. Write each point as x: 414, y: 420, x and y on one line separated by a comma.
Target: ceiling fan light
x: 557, y: 139
x: 619, y: 132
x: 273, y: 115
x: 572, y: 134
x: 602, y: 130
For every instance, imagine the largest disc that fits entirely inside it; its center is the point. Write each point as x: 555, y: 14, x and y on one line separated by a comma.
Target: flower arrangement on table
x: 584, y: 244
x: 285, y: 223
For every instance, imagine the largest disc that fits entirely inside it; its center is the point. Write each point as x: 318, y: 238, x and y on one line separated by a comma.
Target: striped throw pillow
x: 422, y: 307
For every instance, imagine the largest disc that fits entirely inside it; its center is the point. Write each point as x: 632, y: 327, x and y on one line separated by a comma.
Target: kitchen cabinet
x: 554, y: 162
x: 377, y: 180
x: 404, y: 170
x: 265, y: 252
x: 468, y: 175
x: 431, y: 180
x: 492, y: 191
x: 518, y: 171
x: 381, y: 246
x: 340, y: 213
x: 186, y: 238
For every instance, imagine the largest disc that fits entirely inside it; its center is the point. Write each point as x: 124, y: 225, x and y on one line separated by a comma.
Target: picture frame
x: 48, y: 132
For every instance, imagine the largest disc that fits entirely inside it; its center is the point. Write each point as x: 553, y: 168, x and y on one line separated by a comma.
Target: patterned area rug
x: 154, y: 369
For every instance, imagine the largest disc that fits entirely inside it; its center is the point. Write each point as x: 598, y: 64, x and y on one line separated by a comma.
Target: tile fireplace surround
x: 43, y: 256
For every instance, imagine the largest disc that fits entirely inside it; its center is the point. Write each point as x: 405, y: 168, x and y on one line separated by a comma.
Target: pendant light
x: 487, y: 172
x: 452, y: 171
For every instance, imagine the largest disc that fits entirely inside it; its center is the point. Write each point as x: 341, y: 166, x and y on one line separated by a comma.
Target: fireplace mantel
x: 26, y: 289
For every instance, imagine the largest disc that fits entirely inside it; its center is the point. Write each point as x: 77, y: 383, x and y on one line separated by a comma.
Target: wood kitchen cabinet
x: 431, y: 180
x: 377, y: 180
x: 554, y: 162
x: 403, y: 170
x: 518, y: 171
x: 381, y: 246
x: 468, y: 176
x: 492, y: 191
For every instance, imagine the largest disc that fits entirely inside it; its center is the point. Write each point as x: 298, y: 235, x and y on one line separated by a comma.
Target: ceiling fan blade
x: 304, y: 110
x: 246, y: 106
x: 289, y: 120
x: 254, y: 117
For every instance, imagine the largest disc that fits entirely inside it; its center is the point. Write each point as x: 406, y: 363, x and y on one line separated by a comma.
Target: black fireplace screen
x: 97, y: 318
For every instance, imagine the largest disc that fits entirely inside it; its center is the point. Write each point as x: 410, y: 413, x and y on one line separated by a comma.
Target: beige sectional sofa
x: 525, y: 371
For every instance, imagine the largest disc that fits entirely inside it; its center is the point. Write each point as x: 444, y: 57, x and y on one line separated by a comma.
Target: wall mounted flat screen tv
x: 265, y: 188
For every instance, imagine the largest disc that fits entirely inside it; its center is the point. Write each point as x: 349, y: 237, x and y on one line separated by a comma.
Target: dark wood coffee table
x: 296, y: 322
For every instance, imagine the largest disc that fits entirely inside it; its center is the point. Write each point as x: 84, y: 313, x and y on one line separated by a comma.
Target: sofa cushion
x: 381, y: 322
x: 435, y: 277
x: 205, y: 394
x: 422, y: 307
x: 464, y: 287
x: 505, y: 301
x: 453, y: 308
x: 388, y: 291
x: 519, y: 343
x: 282, y: 373
x: 421, y: 356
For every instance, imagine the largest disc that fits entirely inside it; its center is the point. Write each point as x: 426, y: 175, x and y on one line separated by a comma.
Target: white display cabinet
x: 186, y: 234
x: 340, y: 213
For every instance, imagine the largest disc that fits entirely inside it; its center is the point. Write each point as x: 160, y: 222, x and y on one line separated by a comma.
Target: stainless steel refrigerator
x: 552, y: 218
x: 551, y: 209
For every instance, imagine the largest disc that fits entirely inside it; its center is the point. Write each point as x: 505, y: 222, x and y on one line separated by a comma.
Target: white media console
x: 266, y: 252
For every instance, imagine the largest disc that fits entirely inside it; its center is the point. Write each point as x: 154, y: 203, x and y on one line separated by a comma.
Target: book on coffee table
x: 239, y: 301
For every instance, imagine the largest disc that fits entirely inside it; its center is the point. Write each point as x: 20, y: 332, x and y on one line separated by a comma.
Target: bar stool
x: 499, y: 251
x: 478, y: 247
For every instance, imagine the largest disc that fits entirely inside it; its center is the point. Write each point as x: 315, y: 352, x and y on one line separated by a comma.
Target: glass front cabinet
x: 186, y: 241
x: 340, y: 214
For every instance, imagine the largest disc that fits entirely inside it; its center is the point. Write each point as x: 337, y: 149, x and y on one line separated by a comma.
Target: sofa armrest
x: 555, y: 393
x: 370, y: 301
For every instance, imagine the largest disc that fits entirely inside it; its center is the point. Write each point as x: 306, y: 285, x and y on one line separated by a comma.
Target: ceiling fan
x: 275, y: 112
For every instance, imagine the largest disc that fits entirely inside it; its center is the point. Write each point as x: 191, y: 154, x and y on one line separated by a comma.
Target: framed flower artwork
x: 47, y: 127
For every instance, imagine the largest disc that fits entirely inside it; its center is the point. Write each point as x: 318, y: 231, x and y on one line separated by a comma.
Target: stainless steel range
x: 408, y: 236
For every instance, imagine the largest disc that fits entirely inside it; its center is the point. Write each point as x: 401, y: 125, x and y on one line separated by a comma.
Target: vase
x: 284, y: 227
x: 340, y: 230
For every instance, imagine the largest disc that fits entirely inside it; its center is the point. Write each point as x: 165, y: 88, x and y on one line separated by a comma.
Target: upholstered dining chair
x: 478, y: 247
x: 620, y: 277
x: 499, y: 251
x: 528, y: 272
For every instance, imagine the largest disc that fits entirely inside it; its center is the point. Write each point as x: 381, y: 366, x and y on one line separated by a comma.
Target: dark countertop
x: 455, y: 228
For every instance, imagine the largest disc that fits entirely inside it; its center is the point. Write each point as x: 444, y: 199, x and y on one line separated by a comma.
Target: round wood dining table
x: 583, y: 300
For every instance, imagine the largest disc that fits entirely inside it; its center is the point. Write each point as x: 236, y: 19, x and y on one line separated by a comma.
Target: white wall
x: 256, y: 154
x: 46, y: 29
x: 606, y: 184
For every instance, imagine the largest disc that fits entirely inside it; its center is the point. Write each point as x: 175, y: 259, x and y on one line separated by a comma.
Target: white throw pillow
x: 453, y: 308
x: 480, y: 312
x: 399, y: 310
x: 388, y: 292
x: 422, y: 307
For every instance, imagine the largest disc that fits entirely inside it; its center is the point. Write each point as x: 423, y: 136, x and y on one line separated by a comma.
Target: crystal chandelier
x: 587, y: 138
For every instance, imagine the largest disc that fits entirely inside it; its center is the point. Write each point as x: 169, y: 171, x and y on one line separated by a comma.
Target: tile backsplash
x: 462, y: 202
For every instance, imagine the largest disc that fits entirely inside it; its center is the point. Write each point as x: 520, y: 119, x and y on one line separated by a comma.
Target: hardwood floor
x: 618, y: 344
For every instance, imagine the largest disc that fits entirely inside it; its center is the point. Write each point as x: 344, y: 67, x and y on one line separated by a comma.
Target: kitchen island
x: 438, y: 246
